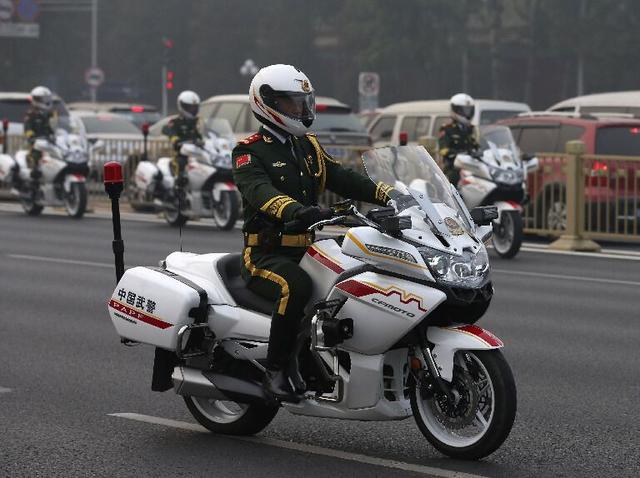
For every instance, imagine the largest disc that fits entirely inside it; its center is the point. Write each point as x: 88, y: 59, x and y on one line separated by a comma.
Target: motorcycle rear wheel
x: 483, y: 381
x: 230, y: 418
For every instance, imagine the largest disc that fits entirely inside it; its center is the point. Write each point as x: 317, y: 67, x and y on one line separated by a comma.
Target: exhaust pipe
x: 196, y: 383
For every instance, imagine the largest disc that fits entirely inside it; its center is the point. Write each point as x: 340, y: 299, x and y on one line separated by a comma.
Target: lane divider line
x: 304, y: 448
x: 59, y: 260
x: 499, y: 271
x: 564, y: 277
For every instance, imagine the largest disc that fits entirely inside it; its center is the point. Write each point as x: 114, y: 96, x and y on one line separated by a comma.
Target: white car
x: 121, y: 137
x: 424, y: 118
x: 14, y: 106
x: 336, y: 126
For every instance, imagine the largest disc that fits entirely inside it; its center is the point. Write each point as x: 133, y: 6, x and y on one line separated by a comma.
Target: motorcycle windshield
x: 499, y: 138
x: 411, y: 170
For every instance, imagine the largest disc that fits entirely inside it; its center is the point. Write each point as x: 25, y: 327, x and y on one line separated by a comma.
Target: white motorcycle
x: 497, y: 176
x: 209, y: 190
x: 388, y: 332
x: 63, y: 170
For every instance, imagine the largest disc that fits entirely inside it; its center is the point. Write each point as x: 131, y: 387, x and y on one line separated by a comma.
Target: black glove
x: 311, y: 214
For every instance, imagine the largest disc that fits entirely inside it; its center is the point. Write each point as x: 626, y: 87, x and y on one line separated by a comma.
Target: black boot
x: 293, y: 370
x: 276, y: 384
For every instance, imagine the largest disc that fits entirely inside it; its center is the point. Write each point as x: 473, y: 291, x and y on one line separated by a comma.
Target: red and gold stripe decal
x: 139, y: 315
x: 478, y: 332
x: 325, y: 260
x: 360, y: 289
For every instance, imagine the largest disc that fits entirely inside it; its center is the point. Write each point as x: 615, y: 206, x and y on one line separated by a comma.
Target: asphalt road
x: 571, y: 325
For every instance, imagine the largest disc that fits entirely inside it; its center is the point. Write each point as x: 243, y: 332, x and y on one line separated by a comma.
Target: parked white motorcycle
x: 209, y: 191
x: 497, y: 176
x: 63, y: 167
x: 388, y: 332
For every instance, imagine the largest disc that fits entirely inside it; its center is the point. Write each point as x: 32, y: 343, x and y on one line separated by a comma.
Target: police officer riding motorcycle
x: 457, y: 135
x: 37, y: 125
x: 183, y: 129
x: 280, y: 172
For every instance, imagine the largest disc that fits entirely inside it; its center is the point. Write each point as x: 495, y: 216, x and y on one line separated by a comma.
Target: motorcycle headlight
x: 76, y: 157
x: 506, y: 176
x: 468, y: 270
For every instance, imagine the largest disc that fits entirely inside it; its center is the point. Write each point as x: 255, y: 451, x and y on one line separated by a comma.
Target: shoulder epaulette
x: 251, y: 139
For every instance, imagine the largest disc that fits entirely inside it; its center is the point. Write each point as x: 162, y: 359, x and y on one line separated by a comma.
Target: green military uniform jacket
x: 455, y: 137
x: 37, y: 124
x: 181, y: 129
x: 274, y: 184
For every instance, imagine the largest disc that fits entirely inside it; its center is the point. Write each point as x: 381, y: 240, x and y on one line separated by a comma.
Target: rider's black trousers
x: 277, y: 276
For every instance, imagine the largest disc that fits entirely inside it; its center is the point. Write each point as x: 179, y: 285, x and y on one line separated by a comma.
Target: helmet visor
x: 43, y: 100
x: 464, y: 110
x: 293, y: 104
x: 191, y: 109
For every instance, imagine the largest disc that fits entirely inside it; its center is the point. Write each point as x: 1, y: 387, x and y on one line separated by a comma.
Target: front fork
x: 427, y: 373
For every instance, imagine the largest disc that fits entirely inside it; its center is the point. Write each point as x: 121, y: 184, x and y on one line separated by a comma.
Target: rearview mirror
x: 483, y: 233
x: 44, y: 146
x: 464, y: 161
x: 484, y: 215
x: 97, y: 145
x: 532, y: 164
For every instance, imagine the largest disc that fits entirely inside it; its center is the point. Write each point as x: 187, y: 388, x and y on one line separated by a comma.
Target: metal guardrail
x: 580, y: 197
x: 574, y: 196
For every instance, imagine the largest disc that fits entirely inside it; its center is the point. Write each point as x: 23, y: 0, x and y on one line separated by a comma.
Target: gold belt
x: 285, y: 240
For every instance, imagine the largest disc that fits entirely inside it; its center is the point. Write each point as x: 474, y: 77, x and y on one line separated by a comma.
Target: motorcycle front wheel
x: 230, y: 418
x: 480, y: 418
x: 225, y: 212
x: 507, y: 236
x: 28, y: 202
x: 173, y: 214
x: 75, y: 201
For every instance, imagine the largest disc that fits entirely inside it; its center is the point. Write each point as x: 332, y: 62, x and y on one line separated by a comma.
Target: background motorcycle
x: 63, y: 167
x: 209, y: 190
x: 387, y: 333
x: 498, y: 176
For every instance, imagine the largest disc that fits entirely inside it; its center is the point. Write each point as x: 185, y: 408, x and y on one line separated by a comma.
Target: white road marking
x: 4, y: 390
x: 304, y: 448
x: 499, y: 271
x: 60, y: 261
x: 564, y: 277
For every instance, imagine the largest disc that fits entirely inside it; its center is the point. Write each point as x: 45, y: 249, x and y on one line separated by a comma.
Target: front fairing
x: 442, y: 233
x: 501, y: 156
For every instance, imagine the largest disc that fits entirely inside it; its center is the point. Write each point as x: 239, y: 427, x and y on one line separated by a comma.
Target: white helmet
x: 42, y: 98
x: 462, y: 108
x: 188, y: 104
x: 282, y: 97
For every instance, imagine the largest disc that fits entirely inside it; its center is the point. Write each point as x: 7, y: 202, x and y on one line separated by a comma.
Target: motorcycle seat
x: 229, y: 270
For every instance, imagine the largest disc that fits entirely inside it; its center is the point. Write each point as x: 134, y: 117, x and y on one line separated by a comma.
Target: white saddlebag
x: 150, y: 305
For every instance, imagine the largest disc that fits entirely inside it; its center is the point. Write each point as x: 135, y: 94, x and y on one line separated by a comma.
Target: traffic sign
x: 369, y: 83
x: 6, y: 10
x: 27, y: 10
x: 94, y: 76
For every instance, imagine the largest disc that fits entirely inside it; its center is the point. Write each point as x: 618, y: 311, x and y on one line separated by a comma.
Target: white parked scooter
x: 497, y: 176
x: 387, y: 334
x: 63, y: 167
x: 209, y: 191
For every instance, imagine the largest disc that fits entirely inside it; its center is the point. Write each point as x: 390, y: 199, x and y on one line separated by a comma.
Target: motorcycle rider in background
x: 180, y: 130
x: 37, y: 125
x: 457, y: 135
x: 280, y: 171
